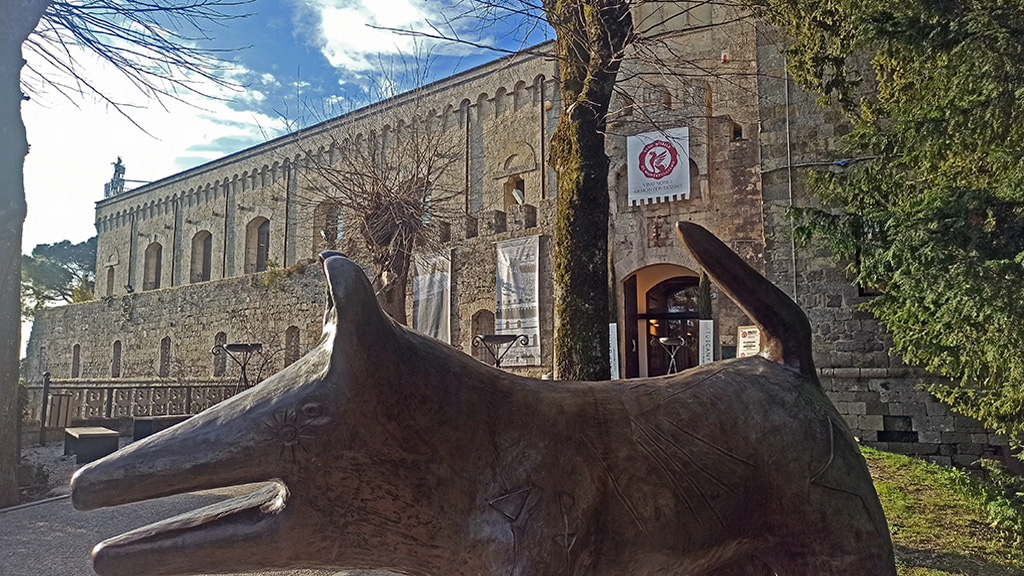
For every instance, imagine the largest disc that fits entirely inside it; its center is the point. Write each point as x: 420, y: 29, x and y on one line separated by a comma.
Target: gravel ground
x: 50, y: 537
x: 59, y: 468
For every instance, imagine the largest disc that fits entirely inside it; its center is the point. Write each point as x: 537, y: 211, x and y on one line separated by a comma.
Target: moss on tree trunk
x: 591, y: 36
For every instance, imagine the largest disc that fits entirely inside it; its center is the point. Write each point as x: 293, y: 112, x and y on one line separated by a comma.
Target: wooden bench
x: 149, y: 425
x: 89, y: 443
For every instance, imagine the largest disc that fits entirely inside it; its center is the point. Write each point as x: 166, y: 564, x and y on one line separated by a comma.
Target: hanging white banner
x: 518, y: 306
x: 432, y: 295
x: 659, y: 166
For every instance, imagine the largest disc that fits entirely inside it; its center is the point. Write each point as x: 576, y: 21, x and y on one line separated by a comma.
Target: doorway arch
x: 660, y: 301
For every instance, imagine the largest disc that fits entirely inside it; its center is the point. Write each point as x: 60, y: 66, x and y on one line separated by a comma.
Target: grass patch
x: 944, y: 522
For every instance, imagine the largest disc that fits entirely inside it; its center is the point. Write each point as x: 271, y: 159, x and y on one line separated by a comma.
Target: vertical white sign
x: 659, y: 166
x: 706, y: 335
x: 518, y: 306
x: 613, y: 349
x: 748, y: 341
x: 431, y: 296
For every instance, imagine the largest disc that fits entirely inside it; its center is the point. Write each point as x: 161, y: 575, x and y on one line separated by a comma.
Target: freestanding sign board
x: 748, y: 341
x: 706, y: 337
x: 659, y: 166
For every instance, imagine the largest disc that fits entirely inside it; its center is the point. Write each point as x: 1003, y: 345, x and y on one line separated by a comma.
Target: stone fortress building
x: 225, y: 252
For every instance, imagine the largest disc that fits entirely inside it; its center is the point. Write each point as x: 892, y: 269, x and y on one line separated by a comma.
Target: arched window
x: 152, y: 271
x: 110, y: 280
x: 291, y: 345
x: 115, y: 361
x: 202, y: 252
x: 515, y: 192
x: 483, y: 324
x: 257, y: 245
x: 329, y: 225
x: 164, y: 368
x: 220, y: 360
x: 76, y: 361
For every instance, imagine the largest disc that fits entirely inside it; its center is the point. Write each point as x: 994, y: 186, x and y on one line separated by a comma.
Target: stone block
x: 858, y: 408
x: 868, y: 396
x: 970, y: 448
x: 871, y: 422
x: 964, y: 460
x: 471, y: 227
x: 918, y: 409
x: 522, y: 217
x: 851, y: 421
x: 955, y: 438
x: 877, y: 407
x: 930, y: 437
x: 493, y: 222
x: 936, y: 409
x: 907, y: 448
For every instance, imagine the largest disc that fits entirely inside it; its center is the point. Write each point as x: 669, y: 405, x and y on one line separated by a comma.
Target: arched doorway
x: 672, y: 324
x: 661, y: 318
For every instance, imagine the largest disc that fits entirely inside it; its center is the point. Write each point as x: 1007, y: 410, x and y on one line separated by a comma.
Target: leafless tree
x: 153, y: 43
x: 393, y: 174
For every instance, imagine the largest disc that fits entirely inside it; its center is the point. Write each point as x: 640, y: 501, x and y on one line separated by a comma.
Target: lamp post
x: 42, y: 415
x: 493, y: 343
x: 245, y: 351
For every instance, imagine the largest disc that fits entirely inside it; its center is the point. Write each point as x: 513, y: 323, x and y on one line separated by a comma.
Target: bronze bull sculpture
x: 390, y: 451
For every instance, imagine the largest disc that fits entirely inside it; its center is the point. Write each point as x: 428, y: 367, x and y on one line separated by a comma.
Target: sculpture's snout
x: 252, y: 437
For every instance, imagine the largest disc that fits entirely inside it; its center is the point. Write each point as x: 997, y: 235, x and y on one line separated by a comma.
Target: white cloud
x: 73, y: 148
x: 349, y: 41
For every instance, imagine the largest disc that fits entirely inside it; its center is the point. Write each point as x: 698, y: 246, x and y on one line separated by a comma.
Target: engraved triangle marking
x: 511, y: 505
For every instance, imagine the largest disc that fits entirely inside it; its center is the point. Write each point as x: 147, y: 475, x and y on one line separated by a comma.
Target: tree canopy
x: 61, y: 272
x: 935, y: 217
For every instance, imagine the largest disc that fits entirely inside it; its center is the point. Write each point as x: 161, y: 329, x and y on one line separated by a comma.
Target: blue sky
x: 305, y: 61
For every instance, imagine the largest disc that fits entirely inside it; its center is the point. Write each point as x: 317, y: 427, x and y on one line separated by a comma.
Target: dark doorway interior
x: 672, y: 313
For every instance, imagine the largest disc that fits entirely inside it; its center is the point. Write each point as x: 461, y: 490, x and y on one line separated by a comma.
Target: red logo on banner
x: 658, y: 159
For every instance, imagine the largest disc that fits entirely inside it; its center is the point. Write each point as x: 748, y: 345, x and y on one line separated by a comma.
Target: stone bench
x: 147, y: 426
x: 89, y: 443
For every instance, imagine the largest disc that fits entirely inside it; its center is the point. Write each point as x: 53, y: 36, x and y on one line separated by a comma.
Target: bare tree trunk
x: 19, y: 19
x: 591, y: 35
x: 391, y: 296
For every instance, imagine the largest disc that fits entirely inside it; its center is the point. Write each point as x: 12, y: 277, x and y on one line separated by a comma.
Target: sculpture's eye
x: 312, y: 410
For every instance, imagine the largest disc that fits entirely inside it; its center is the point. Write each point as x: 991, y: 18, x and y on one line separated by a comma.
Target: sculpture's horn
x: 785, y: 331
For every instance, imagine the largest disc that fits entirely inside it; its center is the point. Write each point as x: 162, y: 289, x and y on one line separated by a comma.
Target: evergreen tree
x: 934, y: 218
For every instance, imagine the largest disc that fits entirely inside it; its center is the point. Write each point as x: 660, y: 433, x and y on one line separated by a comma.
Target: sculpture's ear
x: 785, y: 331
x: 350, y: 298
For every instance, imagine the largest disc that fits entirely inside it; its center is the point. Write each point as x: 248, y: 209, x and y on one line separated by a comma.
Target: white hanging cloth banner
x: 659, y: 166
x: 518, y: 306
x: 432, y: 296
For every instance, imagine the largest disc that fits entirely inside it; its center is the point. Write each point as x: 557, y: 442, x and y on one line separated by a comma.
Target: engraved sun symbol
x: 285, y: 429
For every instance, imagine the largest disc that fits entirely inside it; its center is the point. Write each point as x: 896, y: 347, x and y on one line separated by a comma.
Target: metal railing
x: 120, y: 398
